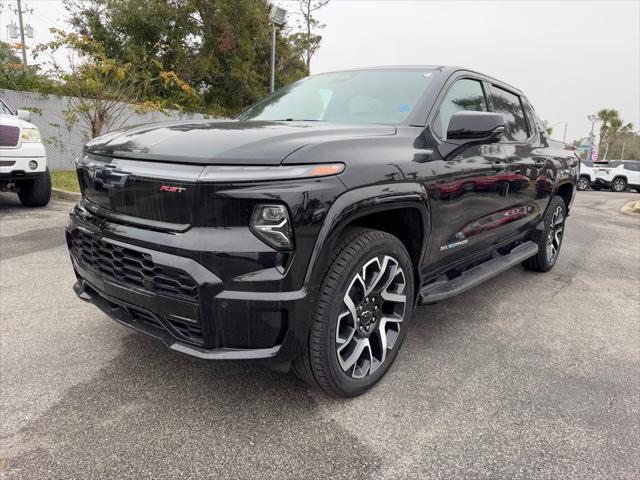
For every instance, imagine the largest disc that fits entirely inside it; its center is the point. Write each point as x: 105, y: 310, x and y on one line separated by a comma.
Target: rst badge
x: 171, y: 189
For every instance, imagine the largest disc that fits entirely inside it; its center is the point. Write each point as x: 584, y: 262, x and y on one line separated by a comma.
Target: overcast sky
x: 571, y: 58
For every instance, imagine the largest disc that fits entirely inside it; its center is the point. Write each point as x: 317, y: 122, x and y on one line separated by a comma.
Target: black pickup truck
x: 304, y: 232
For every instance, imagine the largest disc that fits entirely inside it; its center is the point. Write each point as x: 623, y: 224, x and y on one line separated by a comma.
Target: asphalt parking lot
x: 527, y: 376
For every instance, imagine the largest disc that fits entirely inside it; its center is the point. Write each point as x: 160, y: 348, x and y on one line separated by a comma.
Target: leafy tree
x: 307, y: 41
x: 105, y: 92
x: 220, y: 47
x: 14, y: 76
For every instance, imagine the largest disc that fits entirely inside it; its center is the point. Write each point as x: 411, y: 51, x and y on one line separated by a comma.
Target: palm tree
x: 616, y: 128
x: 606, y: 116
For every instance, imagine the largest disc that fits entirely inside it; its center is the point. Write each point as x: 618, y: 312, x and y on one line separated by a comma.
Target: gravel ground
x: 527, y: 376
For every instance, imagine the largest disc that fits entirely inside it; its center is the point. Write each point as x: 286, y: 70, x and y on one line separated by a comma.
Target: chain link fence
x: 62, y: 141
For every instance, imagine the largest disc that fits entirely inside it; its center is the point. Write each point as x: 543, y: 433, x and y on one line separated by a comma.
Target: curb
x: 65, y: 195
x: 632, y: 207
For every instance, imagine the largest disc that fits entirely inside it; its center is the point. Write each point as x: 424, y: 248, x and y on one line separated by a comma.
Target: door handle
x: 499, y: 166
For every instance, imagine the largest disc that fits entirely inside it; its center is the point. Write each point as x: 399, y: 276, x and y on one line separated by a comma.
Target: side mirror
x: 475, y: 127
x: 24, y: 115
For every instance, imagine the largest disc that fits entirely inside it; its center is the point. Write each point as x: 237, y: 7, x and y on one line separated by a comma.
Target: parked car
x: 619, y: 175
x: 587, y: 175
x: 304, y: 232
x: 23, y: 160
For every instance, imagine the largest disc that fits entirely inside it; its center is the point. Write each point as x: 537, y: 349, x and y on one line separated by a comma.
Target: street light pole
x: 278, y: 18
x: 592, y: 119
x: 272, y: 79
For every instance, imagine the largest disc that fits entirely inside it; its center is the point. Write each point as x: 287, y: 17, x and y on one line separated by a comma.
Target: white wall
x: 63, y: 143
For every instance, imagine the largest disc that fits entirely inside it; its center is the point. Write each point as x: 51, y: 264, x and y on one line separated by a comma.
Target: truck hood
x: 13, y: 121
x: 224, y: 142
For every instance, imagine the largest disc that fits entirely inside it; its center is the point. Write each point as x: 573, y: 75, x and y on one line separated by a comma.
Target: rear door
x: 530, y: 176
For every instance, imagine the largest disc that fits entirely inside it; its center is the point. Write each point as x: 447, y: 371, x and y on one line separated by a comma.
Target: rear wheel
x: 550, y: 240
x: 583, y: 183
x: 618, y: 185
x: 36, y: 192
x: 363, y: 312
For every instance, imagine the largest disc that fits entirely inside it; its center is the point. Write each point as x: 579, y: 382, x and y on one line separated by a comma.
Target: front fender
x: 358, y: 203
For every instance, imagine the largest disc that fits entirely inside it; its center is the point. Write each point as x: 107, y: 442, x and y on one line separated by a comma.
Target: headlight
x: 31, y: 135
x: 271, y: 224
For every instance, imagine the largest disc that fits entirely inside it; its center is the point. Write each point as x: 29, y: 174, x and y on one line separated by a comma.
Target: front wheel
x: 550, y: 240
x: 583, y: 183
x: 36, y: 192
x: 364, y: 307
x: 618, y: 185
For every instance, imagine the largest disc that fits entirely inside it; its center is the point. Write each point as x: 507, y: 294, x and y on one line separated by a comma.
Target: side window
x: 510, y: 106
x: 534, y: 122
x: 633, y: 166
x: 464, y: 94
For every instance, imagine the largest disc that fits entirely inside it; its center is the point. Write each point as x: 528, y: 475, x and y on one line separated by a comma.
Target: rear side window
x: 633, y: 166
x: 465, y: 94
x: 510, y: 106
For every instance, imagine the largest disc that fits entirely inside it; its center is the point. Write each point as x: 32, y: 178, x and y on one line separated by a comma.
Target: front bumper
x: 198, y: 315
x: 14, y: 162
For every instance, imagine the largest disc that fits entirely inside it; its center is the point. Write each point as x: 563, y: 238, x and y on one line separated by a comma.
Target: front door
x: 467, y: 199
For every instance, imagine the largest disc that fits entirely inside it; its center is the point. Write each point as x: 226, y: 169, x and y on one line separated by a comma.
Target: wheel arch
x: 402, y: 212
x: 565, y: 191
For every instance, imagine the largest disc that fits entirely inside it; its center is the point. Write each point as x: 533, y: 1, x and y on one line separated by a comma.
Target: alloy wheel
x: 618, y: 185
x: 554, y: 238
x: 374, y: 306
x: 583, y: 184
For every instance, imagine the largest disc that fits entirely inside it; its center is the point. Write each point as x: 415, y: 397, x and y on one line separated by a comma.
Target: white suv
x: 619, y: 175
x: 587, y: 175
x: 23, y: 159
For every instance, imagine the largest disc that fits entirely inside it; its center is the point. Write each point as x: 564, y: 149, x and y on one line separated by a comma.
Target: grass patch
x: 65, y: 180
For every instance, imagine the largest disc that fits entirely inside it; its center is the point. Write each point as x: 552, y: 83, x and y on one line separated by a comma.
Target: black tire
x: 546, y: 258
x: 583, y: 183
x: 319, y: 364
x: 36, y: 192
x: 618, y: 185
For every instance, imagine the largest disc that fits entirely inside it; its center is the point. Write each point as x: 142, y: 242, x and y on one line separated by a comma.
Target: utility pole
x: 622, y: 154
x: 22, y: 40
x: 564, y: 136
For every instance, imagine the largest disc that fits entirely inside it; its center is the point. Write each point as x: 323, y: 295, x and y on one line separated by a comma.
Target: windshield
x: 4, y: 110
x: 368, y: 96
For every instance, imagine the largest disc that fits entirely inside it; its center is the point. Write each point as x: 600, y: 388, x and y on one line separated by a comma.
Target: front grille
x: 9, y: 136
x: 131, y: 267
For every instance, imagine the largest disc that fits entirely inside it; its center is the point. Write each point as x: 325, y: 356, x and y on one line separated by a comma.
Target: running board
x: 475, y: 276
